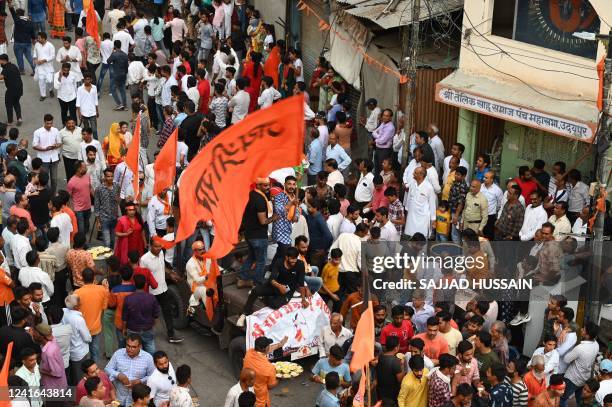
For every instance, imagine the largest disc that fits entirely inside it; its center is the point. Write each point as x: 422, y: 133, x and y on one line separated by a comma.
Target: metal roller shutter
x: 312, y: 39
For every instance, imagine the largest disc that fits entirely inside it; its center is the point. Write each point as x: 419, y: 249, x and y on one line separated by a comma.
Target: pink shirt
x: 80, y: 191
x: 22, y: 213
x: 344, y: 204
x: 379, y: 199
x: 52, y: 373
x: 472, y: 375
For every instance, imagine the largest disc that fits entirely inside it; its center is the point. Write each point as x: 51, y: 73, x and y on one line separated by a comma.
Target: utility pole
x: 410, y: 52
x: 603, y: 175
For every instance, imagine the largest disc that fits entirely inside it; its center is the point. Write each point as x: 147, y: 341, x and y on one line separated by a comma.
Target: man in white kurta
x: 44, y: 54
x: 421, y: 205
x: 197, y: 269
x: 71, y: 54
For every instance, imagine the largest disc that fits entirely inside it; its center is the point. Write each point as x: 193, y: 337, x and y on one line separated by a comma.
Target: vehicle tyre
x: 179, y: 305
x: 237, y: 351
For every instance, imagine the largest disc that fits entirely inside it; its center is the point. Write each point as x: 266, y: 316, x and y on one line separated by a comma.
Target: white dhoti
x: 198, y: 297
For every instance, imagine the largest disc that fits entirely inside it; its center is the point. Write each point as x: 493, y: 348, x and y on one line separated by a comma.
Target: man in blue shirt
x: 334, y: 362
x: 286, y: 206
x: 329, y: 395
x: 315, y: 156
x: 335, y: 151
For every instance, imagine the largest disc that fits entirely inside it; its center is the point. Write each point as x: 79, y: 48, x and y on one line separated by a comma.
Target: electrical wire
x: 527, y: 84
x: 516, y: 60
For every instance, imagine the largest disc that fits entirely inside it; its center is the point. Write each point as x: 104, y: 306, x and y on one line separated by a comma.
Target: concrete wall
x: 271, y: 11
x: 479, y: 13
x: 522, y: 145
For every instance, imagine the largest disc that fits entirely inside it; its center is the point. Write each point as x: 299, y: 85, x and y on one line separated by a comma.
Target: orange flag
x: 211, y: 284
x: 215, y: 185
x: 91, y: 23
x: 132, y: 156
x: 5, y: 401
x: 271, y: 65
x: 600, y: 75
x: 165, y: 164
x: 363, y: 349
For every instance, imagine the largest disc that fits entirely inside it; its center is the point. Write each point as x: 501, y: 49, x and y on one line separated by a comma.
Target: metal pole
x: 602, y: 178
x: 410, y: 64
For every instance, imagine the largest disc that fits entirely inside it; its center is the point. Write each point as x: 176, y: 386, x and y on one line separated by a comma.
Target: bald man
x: 476, y: 210
x: 197, y: 269
x: 421, y: 203
x: 247, y: 380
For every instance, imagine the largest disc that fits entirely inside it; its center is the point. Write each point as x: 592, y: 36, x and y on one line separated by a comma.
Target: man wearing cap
x: 257, y: 216
x: 197, y: 269
x: 605, y: 384
x: 52, y: 373
x: 257, y: 360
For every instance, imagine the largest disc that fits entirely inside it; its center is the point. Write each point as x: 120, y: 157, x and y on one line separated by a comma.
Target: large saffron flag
x: 215, y: 185
x: 5, y: 400
x: 165, y: 164
x: 91, y: 23
x: 132, y: 156
x: 363, y: 349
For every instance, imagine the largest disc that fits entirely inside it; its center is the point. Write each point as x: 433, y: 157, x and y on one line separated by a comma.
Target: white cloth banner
x: 302, y: 326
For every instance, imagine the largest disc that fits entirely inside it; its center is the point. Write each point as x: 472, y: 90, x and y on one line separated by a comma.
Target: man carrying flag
x: 159, y: 210
x: 201, y: 275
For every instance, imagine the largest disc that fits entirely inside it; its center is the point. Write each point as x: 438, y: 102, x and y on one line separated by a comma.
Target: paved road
x: 210, y: 365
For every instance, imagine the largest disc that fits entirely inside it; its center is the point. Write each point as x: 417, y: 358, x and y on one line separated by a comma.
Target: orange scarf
x: 268, y: 203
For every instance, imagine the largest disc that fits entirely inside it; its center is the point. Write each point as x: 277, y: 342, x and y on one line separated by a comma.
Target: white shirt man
x: 87, y: 101
x: 156, y: 213
x: 125, y: 38
x: 32, y: 274
x: 240, y: 105
x: 462, y: 163
x: 335, y: 177
x: 494, y: 196
x: 136, y: 72
x: 437, y: 146
x: 74, y: 58
x: 95, y: 170
x: 161, y: 384
x: 365, y: 188
x: 329, y: 339
x: 44, y: 72
x: 220, y: 62
x: 20, y: 245
x: 71, y: 142
x: 373, y: 119
x: 268, y: 97
x: 166, y: 93
x: 45, y: 138
x: 99, y: 152
x: 562, y: 226
x: 62, y: 333
x: 62, y: 221
x: 421, y: 207
x: 106, y: 49
x: 333, y: 223
x: 551, y: 360
x: 66, y: 86
x: 534, y: 219
x: 350, y: 244
x: 112, y: 18
x: 388, y: 232
x: 231, y: 400
x: 80, y: 339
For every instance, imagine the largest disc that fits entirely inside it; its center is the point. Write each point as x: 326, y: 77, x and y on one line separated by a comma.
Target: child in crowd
x: 443, y: 220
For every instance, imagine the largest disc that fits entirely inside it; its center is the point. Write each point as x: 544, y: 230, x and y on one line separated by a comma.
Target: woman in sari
x: 114, y: 146
x: 287, y: 77
x: 130, y: 234
x: 254, y: 70
x: 272, y: 63
x: 56, y: 10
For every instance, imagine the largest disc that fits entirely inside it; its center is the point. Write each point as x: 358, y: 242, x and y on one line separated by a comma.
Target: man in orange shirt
x: 535, y: 379
x: 6, y: 290
x: 353, y: 303
x: 94, y: 300
x: 265, y: 376
x: 435, y: 344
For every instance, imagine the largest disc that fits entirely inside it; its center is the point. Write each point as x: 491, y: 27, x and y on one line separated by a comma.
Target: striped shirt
x: 520, y: 395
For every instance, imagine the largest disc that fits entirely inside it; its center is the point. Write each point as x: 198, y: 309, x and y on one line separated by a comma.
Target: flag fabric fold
x: 165, y: 164
x: 363, y: 349
x: 4, y: 373
x: 132, y: 156
x: 215, y: 185
x: 91, y: 23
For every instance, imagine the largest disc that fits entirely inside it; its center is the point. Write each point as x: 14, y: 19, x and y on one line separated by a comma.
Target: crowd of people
x: 200, y: 68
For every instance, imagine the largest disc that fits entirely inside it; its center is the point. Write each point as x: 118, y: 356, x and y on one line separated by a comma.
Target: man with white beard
x: 421, y: 205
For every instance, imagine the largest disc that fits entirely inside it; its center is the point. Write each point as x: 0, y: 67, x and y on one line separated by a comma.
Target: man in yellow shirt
x: 331, y: 288
x: 413, y: 390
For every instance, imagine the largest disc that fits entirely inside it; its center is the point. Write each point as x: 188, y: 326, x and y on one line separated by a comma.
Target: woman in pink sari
x: 130, y: 234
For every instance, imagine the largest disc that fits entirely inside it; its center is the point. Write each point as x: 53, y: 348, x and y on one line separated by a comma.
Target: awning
x: 516, y: 102
x: 397, y: 13
x: 346, y: 61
